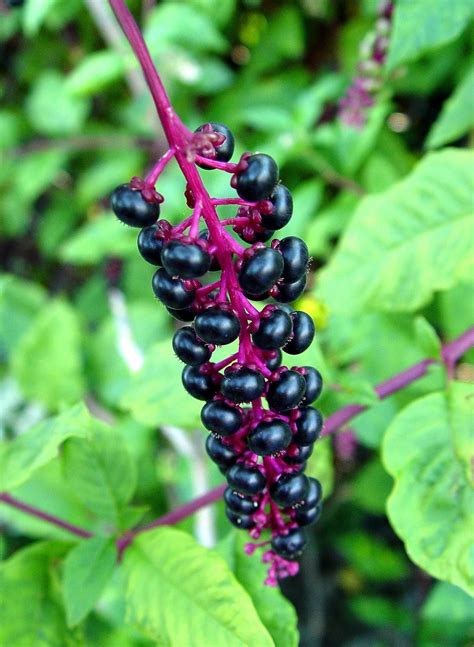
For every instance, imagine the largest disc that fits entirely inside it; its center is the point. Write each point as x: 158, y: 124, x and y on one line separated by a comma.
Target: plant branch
x: 450, y: 354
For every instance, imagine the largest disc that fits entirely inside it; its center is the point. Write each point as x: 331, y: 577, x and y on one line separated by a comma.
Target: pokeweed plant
x: 262, y: 450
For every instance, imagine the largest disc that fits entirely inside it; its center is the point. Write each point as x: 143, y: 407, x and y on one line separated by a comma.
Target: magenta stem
x: 159, y: 167
x: 228, y: 167
x: 232, y: 201
x: 44, y: 516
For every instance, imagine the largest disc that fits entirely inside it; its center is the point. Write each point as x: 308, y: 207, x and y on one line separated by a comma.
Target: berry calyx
x: 222, y: 152
x: 130, y: 207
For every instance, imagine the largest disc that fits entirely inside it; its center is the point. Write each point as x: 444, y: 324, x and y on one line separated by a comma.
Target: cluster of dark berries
x: 257, y: 409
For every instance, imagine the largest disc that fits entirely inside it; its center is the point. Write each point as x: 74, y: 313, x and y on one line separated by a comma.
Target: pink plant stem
x: 44, y: 516
x: 232, y: 201
x: 228, y: 167
x: 159, y: 167
x: 451, y: 353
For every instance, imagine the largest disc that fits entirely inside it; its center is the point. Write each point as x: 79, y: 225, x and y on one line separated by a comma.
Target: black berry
x: 223, y: 455
x: 225, y: 150
x: 189, y: 348
x: 261, y: 271
x: 259, y: 178
x: 201, y: 386
x: 282, y: 208
x: 314, y: 384
x: 289, y: 489
x: 217, y: 326
x: 131, y: 208
x: 288, y: 292
x: 307, y: 517
x: 314, y: 495
x: 149, y: 245
x: 238, y: 502
x: 273, y: 330
x: 171, y: 291
x: 274, y: 362
x: 243, y: 521
x: 303, y: 333
x: 186, y: 260
x: 246, y: 479
x: 184, y: 314
x: 221, y: 418
x: 242, y: 385
x: 269, y: 437
x: 290, y: 545
x: 295, y: 256
x: 297, y: 455
x: 309, y: 426
x: 214, y: 266
x: 286, y: 392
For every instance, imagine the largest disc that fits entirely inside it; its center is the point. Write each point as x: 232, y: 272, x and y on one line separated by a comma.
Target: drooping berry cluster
x: 257, y: 409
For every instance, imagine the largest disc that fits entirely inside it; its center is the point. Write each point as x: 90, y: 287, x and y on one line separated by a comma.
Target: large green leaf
x: 447, y: 617
x: 428, y: 449
x: 457, y: 115
x: 20, y: 301
x: 101, y: 471
x: 87, y: 569
x: 47, y: 362
x: 94, y: 72
x: 31, y: 613
x: 372, y: 559
x: 406, y: 242
x: 156, y: 395
x: 275, y: 611
x: 21, y: 457
x: 183, y: 595
x: 423, y: 25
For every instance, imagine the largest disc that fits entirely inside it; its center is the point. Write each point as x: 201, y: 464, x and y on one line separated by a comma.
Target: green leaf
x: 52, y: 110
x: 21, y: 457
x: 321, y: 465
x: 377, y: 611
x: 20, y: 301
x: 179, y: 593
x: 423, y: 25
x: 374, y: 560
x: 98, y: 239
x: 406, y: 242
x: 47, y: 361
x: 87, y: 569
x: 447, y: 617
x: 427, y: 449
x: 34, y: 14
x: 101, y: 471
x: 427, y: 338
x: 31, y: 614
x: 274, y: 610
x: 307, y: 198
x: 156, y: 396
x: 457, y: 115
x: 371, y: 487
x: 326, y: 225
x: 95, y: 72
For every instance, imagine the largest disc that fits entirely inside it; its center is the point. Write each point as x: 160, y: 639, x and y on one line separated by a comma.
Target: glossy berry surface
x: 183, y: 314
x: 269, y: 437
x: 295, y: 258
x: 131, y: 208
x: 314, y: 495
x: 273, y: 330
x: 286, y: 392
x: 171, y: 291
x: 259, y: 178
x: 242, y: 385
x: 246, y: 479
x: 282, y: 208
x: 307, y: 517
x: 289, y: 489
x: 189, y: 348
x: 274, y: 362
x: 314, y: 384
x: 224, y: 151
x: 223, y: 455
x: 149, y: 246
x: 220, y: 418
x: 261, y: 271
x: 197, y: 384
x: 186, y: 260
x: 290, y: 545
x: 217, y: 326
x: 303, y: 333
x: 297, y: 455
x: 288, y: 292
x: 308, y: 426
x: 239, y: 520
x: 238, y: 502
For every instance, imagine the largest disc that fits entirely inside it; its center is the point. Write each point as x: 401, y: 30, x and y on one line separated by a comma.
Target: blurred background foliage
x: 76, y: 120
